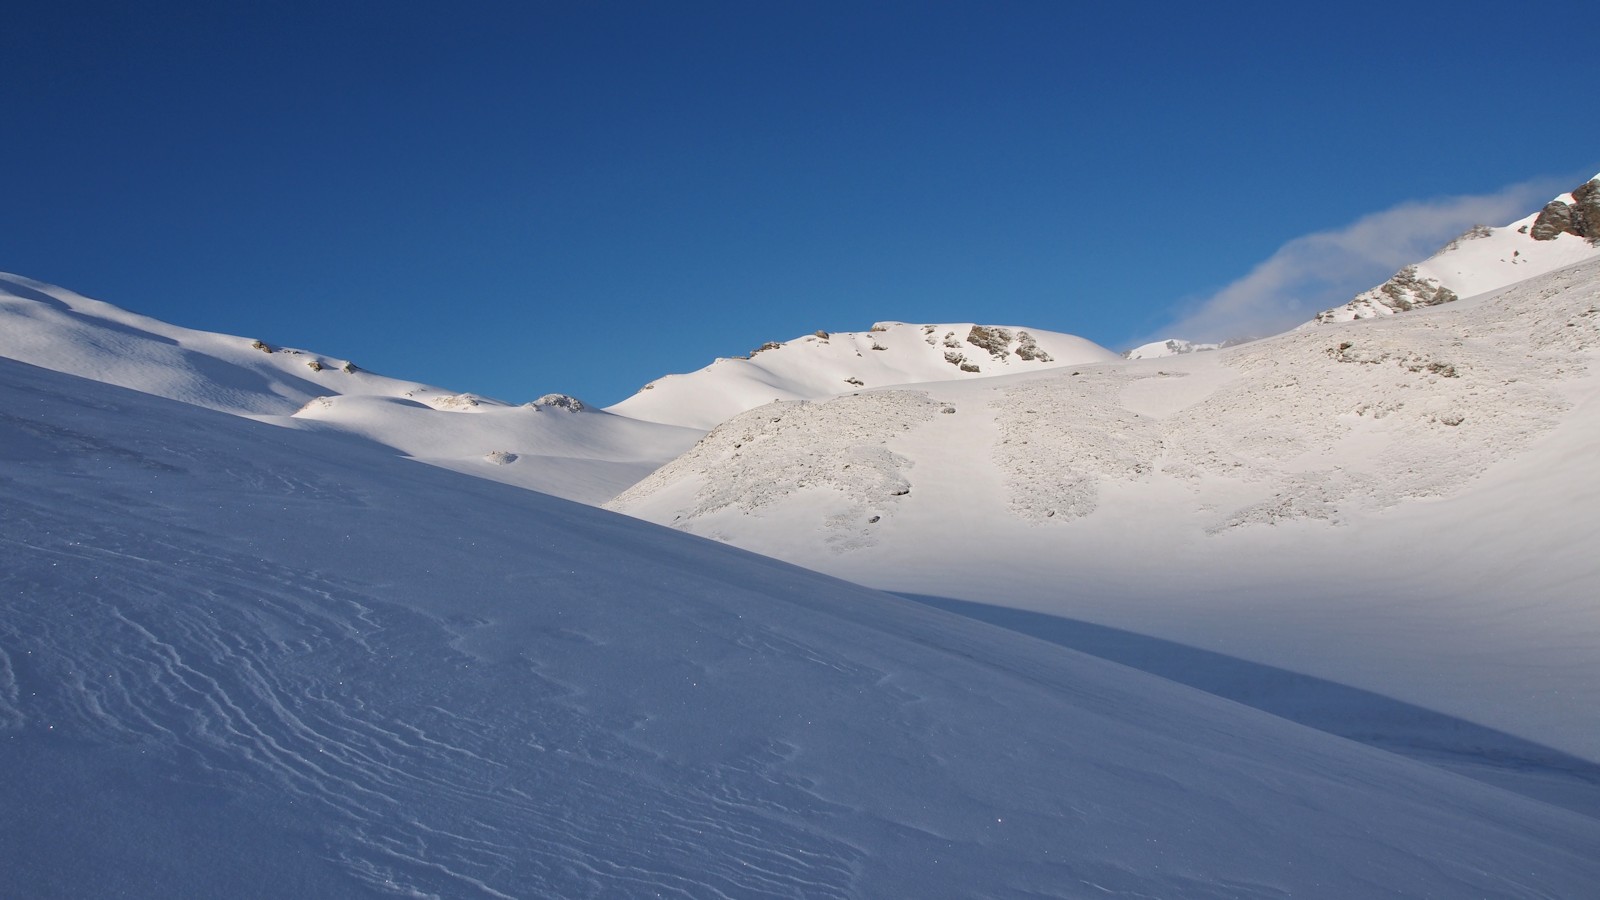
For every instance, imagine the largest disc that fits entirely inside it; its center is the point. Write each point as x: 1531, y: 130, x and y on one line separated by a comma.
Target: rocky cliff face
x: 1580, y: 217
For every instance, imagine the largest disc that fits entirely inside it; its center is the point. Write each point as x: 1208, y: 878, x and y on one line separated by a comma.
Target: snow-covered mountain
x: 823, y: 364
x: 1169, y: 347
x: 242, y: 660
x: 1566, y: 231
x: 1406, y: 507
x: 246, y: 661
x: 588, y: 456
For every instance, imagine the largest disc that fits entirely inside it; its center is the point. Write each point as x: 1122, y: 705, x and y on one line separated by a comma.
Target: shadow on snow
x: 1460, y: 746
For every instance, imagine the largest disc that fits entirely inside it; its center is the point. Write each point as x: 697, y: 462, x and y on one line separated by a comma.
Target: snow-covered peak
x: 1169, y: 347
x: 824, y: 364
x: 1564, y: 232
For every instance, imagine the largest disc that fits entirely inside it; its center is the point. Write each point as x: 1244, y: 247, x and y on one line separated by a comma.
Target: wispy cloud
x: 1321, y: 270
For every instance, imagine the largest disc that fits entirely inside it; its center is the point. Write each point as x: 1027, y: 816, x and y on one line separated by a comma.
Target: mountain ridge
x: 824, y: 364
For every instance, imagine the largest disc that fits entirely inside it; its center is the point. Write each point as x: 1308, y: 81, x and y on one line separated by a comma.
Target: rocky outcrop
x: 558, y: 401
x: 1028, y: 348
x: 1586, y: 211
x: 995, y: 340
x: 1404, y: 291
x: 1581, y: 217
x: 999, y: 342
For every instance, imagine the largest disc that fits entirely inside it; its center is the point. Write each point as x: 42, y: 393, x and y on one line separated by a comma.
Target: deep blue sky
x: 521, y: 198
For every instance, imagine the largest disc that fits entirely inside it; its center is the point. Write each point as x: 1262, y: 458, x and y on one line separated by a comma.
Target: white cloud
x: 1327, y: 268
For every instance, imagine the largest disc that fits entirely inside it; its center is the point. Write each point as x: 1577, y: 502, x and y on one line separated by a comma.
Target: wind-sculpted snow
x: 244, y: 661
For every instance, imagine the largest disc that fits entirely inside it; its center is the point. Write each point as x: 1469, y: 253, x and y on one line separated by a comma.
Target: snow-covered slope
x: 589, y: 456
x: 822, y: 365
x: 1408, y: 506
x: 1566, y: 231
x: 244, y: 661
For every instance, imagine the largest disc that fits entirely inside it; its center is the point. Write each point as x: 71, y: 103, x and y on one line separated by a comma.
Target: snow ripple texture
x: 265, y: 679
x: 161, y: 643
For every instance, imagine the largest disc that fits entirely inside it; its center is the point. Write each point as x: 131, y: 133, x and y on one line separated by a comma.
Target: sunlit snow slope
x: 822, y: 364
x: 586, y: 455
x: 245, y: 661
x: 1408, y: 506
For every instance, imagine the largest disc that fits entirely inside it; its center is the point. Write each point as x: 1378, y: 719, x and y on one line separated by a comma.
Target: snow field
x: 264, y: 662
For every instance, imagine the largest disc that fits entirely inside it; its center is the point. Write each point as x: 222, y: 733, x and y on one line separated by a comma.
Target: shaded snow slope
x: 821, y: 365
x: 245, y: 661
x: 1408, y: 505
x: 1486, y: 259
x: 590, y: 457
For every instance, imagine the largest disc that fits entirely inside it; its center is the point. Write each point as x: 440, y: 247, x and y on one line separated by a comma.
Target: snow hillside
x: 541, y: 445
x: 246, y: 661
x: 1566, y: 231
x: 1405, y: 506
x: 823, y: 364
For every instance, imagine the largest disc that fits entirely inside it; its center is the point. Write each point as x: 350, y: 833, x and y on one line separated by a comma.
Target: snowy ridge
x: 1486, y: 259
x: 1189, y: 498
x: 823, y: 364
x: 238, y: 660
x: 589, y: 457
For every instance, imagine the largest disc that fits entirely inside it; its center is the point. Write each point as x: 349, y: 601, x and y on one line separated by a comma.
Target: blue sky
x: 520, y: 198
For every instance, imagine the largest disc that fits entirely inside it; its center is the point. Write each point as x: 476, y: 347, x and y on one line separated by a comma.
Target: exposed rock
x: 769, y: 345
x: 1404, y: 291
x: 1555, y: 219
x: 314, y: 366
x: 454, y: 401
x: 1028, y: 348
x: 1471, y: 234
x: 1586, y: 211
x: 995, y: 340
x: 559, y: 401
x: 1581, y: 217
x: 261, y: 345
